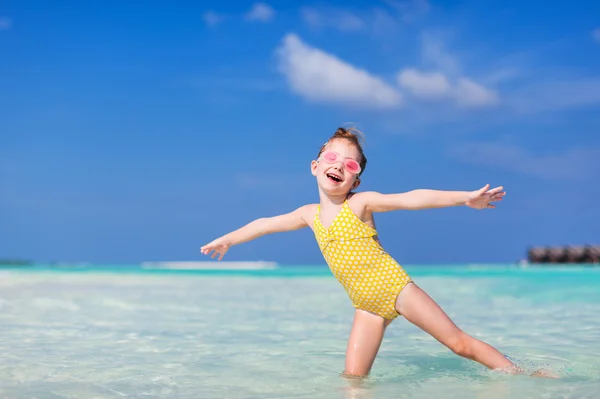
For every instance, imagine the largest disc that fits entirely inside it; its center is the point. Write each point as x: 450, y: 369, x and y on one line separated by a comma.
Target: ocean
x: 121, y: 331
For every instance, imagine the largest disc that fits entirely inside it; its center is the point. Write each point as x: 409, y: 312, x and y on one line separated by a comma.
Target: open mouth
x: 334, y: 178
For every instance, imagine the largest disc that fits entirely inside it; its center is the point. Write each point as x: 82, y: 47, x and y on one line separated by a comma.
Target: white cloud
x: 425, y: 85
x: 574, y: 164
x: 211, y: 18
x: 322, y: 77
x: 444, y: 81
x: 596, y: 35
x: 261, y: 12
x: 337, y: 18
x: 5, y: 23
x: 436, y: 86
x: 471, y: 94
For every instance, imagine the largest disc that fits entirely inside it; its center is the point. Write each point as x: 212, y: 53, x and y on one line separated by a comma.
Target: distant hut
x: 593, y: 254
x: 576, y: 254
x: 557, y: 255
x: 538, y: 255
x: 565, y: 254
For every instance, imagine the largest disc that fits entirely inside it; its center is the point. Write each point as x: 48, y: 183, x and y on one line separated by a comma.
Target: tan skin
x: 412, y: 303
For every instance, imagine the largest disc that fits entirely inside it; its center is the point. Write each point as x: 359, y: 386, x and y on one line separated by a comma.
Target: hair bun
x: 351, y: 133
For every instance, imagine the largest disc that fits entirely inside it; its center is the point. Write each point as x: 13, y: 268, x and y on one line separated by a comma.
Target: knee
x: 462, y: 345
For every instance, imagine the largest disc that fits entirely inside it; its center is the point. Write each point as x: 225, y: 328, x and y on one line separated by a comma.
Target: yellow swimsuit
x: 371, y: 277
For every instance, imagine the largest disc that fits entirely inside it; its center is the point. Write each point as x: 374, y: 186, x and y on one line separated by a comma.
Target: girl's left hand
x: 482, y: 198
x: 219, y: 246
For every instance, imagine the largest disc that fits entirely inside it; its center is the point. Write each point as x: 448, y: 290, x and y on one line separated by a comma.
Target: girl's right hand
x: 218, y: 246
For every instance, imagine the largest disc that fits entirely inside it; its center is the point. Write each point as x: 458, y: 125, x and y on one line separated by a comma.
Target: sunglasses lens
x: 329, y: 157
x: 352, y: 166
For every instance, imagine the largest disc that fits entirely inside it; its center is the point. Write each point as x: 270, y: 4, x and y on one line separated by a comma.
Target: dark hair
x: 354, y: 138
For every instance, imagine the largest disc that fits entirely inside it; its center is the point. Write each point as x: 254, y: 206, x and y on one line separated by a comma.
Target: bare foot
x: 544, y: 374
x: 538, y: 373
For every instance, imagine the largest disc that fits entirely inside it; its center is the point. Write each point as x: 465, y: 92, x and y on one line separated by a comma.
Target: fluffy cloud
x: 471, y: 94
x: 446, y: 81
x: 319, y: 76
x: 260, y: 12
x: 425, y: 85
x: 436, y: 86
x: 573, y: 164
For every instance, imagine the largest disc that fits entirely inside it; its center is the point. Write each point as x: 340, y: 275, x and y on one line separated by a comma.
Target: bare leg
x: 421, y: 310
x: 364, y: 342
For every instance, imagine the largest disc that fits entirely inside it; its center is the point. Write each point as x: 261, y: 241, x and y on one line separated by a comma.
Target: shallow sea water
x: 282, y: 334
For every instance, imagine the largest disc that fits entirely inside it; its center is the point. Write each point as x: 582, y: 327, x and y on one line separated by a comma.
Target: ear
x: 313, y: 167
x: 356, y: 183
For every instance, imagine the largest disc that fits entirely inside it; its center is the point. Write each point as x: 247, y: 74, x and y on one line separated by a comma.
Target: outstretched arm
x: 425, y: 199
x: 276, y: 224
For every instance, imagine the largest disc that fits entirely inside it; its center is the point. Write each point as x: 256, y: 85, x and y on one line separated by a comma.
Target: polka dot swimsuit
x: 371, y: 277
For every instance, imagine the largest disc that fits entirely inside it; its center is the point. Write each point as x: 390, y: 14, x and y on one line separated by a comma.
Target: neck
x: 327, y: 200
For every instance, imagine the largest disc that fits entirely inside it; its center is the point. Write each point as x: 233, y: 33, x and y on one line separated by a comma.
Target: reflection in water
x: 357, y: 387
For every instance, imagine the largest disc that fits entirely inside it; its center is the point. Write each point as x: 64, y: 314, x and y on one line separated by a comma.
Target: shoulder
x: 360, y: 204
x: 307, y: 212
x: 362, y: 201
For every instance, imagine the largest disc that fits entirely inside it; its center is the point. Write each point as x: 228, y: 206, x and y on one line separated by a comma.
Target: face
x: 335, y: 177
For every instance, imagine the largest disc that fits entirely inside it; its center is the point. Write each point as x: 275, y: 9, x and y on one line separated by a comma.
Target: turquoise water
x: 120, y: 331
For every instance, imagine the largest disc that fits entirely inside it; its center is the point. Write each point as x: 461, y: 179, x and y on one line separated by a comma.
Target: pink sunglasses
x: 351, y: 165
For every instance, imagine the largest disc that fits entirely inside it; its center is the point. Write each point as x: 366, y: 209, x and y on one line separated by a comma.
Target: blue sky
x: 134, y: 132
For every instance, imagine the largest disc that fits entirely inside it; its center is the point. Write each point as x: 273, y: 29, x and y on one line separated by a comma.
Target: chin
x: 334, y: 190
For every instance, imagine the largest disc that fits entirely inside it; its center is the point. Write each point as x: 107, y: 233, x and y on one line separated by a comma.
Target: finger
x: 207, y: 247
x: 222, y: 254
x: 483, y: 189
x: 496, y: 190
x: 491, y: 206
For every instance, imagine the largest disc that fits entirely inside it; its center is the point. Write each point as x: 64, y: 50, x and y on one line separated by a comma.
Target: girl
x: 380, y: 289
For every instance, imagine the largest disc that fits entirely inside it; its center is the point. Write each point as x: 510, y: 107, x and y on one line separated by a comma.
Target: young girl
x: 344, y: 227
